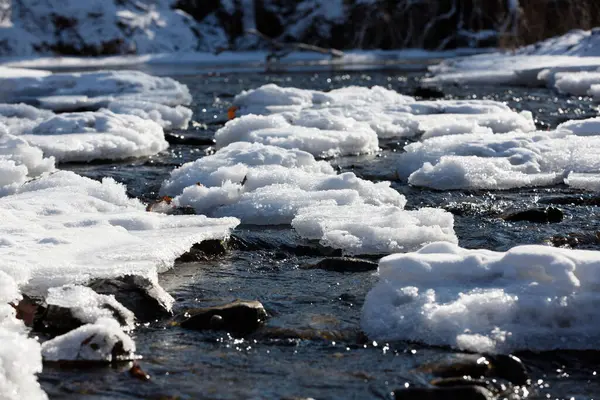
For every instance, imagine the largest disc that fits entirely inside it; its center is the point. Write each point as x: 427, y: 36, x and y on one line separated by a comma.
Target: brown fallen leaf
x: 137, y: 372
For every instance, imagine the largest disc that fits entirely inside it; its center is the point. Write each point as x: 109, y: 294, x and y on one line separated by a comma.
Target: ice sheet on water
x: 63, y: 91
x: 91, y: 342
x: 503, y: 161
x: 169, y: 118
x: 124, y: 92
x: 528, y: 298
x: 65, y: 228
x: 324, y: 137
x: 385, y: 111
x: 102, y: 134
x: 263, y: 184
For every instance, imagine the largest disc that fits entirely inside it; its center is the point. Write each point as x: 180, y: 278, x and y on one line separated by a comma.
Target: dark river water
x: 327, y: 363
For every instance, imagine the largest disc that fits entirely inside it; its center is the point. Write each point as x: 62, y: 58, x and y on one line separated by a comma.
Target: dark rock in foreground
x: 239, y: 318
x: 147, y: 300
x: 541, y: 215
x: 444, y: 393
x: 343, y: 264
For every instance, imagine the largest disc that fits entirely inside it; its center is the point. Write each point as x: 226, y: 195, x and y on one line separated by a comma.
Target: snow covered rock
x: 103, y: 342
x: 271, y: 187
x: 20, y: 358
x: 71, y: 306
x: 529, y: 298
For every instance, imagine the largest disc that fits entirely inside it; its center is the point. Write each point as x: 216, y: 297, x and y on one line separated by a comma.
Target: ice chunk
x: 20, y: 162
x: 97, y: 135
x: 22, y: 118
x: 529, y: 298
x: 590, y: 181
x: 64, y: 228
x: 369, y: 229
x: 168, y: 117
x: 471, y: 172
x: 233, y: 162
x: 103, y: 341
x: 576, y: 83
x: 319, y: 137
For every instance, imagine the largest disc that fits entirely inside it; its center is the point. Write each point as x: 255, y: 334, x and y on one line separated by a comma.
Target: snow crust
x: 528, y: 298
x: 503, y: 161
x: 91, y: 342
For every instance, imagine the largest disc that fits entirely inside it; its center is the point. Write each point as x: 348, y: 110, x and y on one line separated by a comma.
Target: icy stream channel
x: 316, y: 314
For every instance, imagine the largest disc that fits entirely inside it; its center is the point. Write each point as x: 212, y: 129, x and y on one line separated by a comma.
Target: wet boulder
x: 101, y: 342
x: 506, y: 367
x: 539, y: 215
x: 205, y: 250
x: 576, y: 240
x: 343, y: 264
x: 145, y: 298
x: 71, y: 306
x: 239, y: 318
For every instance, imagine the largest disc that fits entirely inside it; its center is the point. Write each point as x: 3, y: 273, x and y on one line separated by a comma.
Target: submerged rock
x: 238, y: 318
x: 146, y: 299
x: 343, y: 264
x: 541, y: 215
x: 575, y: 239
x: 426, y: 93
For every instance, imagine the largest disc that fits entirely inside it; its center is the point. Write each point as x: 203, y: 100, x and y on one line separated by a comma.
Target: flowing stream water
x: 321, y: 359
